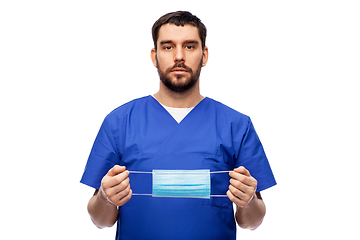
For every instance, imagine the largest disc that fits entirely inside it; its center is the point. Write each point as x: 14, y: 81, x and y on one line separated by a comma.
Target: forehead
x: 171, y: 32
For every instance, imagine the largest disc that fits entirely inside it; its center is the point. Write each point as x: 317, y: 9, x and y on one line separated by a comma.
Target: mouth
x: 179, y: 71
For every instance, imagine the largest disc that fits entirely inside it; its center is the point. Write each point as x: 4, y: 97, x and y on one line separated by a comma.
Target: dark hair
x: 179, y: 18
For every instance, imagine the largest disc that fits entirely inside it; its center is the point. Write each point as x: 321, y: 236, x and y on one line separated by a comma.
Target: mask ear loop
x: 221, y: 194
x: 221, y: 171
x: 140, y: 172
x: 141, y: 194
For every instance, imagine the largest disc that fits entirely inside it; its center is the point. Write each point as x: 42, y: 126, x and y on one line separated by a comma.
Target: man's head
x: 180, y: 18
x: 180, y: 51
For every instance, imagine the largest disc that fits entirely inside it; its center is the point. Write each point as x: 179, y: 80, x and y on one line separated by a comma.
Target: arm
x: 250, y: 207
x: 252, y: 215
x: 114, y: 192
x: 102, y: 212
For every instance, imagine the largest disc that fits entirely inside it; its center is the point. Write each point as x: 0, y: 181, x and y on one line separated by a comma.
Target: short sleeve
x: 252, y: 157
x: 103, y: 157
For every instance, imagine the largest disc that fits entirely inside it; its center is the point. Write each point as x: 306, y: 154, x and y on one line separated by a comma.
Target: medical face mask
x: 181, y: 183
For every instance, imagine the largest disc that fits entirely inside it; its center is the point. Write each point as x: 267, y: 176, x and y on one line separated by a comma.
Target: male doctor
x: 177, y: 128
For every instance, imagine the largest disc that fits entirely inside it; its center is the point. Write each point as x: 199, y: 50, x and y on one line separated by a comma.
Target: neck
x: 173, y: 99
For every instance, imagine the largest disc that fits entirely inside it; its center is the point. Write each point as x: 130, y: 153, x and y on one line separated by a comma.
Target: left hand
x: 242, y: 187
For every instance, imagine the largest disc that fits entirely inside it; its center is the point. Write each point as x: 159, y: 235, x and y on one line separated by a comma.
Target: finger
x: 111, y: 181
x: 241, y: 186
x: 122, y: 197
x: 117, y: 196
x: 234, y: 199
x: 243, y: 171
x: 249, y: 181
x: 118, y: 188
x: 239, y: 198
x: 246, y: 191
x: 116, y: 170
x: 236, y: 192
x: 125, y: 199
x: 122, y: 176
x: 240, y: 177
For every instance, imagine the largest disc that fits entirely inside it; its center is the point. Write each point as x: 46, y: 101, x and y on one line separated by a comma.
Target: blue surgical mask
x: 181, y: 183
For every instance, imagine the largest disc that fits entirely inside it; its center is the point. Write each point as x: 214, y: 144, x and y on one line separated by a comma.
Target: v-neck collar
x: 178, y: 113
x: 169, y: 115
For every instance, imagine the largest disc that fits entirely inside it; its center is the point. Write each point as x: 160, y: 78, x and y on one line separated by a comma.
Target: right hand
x: 115, y: 186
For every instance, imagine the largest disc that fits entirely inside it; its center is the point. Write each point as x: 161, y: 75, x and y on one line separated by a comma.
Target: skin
x: 177, y: 46
x: 250, y: 206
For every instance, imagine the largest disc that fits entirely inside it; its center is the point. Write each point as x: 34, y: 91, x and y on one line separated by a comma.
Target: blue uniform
x: 143, y: 136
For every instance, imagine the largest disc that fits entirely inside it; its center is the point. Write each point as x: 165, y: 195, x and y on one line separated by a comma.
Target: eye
x: 189, y: 47
x: 167, y: 47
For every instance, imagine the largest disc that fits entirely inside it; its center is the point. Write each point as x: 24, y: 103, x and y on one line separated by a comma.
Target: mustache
x: 180, y: 65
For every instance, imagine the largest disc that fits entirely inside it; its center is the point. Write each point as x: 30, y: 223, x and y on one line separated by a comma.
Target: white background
x: 292, y: 66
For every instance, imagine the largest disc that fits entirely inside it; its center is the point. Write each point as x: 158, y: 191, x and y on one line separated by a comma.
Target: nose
x: 179, y: 55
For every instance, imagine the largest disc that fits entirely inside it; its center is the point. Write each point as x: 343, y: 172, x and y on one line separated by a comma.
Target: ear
x: 153, y: 57
x: 205, y: 56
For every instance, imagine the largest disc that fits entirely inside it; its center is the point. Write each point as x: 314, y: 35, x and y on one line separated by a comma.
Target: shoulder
x: 127, y: 108
x: 229, y: 114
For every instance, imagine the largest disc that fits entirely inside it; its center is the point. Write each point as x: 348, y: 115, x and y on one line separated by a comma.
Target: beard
x: 181, y: 83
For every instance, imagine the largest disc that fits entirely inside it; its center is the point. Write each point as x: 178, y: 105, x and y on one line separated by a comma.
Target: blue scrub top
x: 143, y: 136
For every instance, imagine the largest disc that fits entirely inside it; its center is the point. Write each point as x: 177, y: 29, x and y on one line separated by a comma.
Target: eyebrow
x: 186, y: 42
x: 192, y: 41
x: 166, y: 42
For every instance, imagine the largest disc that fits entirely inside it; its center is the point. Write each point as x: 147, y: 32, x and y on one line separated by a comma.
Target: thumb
x: 116, y: 170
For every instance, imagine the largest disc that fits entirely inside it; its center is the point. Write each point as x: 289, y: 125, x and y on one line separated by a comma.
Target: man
x: 177, y: 129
